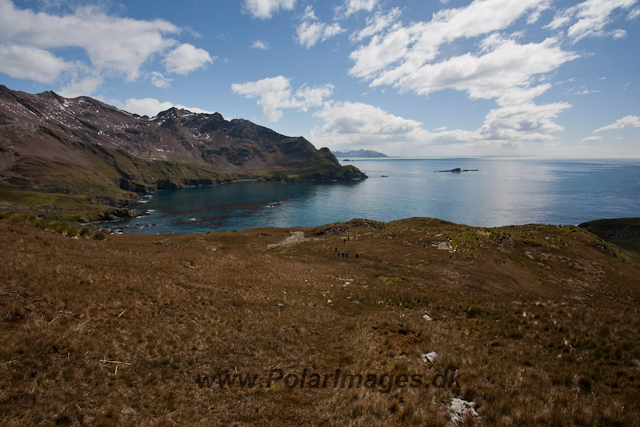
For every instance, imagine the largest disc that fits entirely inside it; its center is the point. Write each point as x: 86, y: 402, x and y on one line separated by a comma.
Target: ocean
x: 504, y: 191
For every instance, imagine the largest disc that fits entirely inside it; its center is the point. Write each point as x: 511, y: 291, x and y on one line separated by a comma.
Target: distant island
x: 359, y: 153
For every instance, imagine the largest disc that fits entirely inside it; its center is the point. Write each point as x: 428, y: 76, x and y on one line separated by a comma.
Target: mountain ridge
x: 82, y: 146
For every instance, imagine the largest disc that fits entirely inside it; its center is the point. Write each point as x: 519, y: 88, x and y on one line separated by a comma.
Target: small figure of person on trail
x: 357, y: 254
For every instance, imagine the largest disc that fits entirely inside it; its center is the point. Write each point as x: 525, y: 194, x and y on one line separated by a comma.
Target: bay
x: 504, y: 191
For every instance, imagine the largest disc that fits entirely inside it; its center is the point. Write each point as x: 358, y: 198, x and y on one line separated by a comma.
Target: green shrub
x: 41, y: 224
x: 59, y: 227
x: 17, y: 218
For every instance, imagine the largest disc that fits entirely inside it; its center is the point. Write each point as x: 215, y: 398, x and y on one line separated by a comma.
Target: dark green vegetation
x: 61, y: 227
x: 540, y: 321
x: 624, y: 232
x: 81, y: 159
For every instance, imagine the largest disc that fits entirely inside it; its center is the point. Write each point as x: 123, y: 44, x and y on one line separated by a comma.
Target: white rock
x: 459, y: 408
x: 429, y: 357
x: 443, y: 246
x: 426, y: 317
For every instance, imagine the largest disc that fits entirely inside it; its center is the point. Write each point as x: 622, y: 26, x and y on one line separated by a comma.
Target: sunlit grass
x: 540, y: 321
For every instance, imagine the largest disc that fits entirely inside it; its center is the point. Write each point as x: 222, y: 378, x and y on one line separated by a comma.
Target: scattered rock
x: 444, y: 246
x: 430, y: 357
x: 459, y: 408
x: 426, y: 317
x: 296, y: 237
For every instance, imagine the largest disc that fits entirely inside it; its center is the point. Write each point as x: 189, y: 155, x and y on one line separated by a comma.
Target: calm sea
x: 504, y: 191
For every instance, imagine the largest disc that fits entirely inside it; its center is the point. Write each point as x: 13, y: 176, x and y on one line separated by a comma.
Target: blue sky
x: 551, y: 78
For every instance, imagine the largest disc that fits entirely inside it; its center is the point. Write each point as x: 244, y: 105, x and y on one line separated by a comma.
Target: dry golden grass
x: 541, y: 321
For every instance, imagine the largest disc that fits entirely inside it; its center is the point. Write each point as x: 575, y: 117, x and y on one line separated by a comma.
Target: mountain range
x: 86, y: 149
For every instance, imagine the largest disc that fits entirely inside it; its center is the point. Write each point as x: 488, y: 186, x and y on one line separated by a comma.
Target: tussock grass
x: 540, y: 321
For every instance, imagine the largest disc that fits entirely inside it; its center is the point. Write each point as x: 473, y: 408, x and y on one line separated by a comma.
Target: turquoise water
x: 503, y: 192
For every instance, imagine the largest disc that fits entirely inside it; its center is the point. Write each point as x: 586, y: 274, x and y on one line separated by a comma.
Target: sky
x: 551, y: 78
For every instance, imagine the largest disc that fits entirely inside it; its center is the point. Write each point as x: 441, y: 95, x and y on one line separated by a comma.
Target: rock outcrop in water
x: 458, y: 170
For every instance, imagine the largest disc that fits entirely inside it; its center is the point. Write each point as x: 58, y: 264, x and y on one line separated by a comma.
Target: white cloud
x: 260, y: 44
x: 404, y: 49
x: 512, y: 125
x: 625, y: 122
x: 528, y: 117
x: 618, y: 34
x: 22, y: 62
x: 275, y: 94
x: 265, y: 9
x: 633, y: 14
x: 355, y: 118
x: 506, y: 65
x: 151, y: 107
x: 537, y: 12
x: 407, y: 57
x: 520, y: 95
x: 356, y: 124
x: 311, y: 31
x: 82, y: 86
x: 159, y: 80
x: 186, y: 58
x: 589, y: 18
x: 375, y: 24
x: 115, y: 44
x: 592, y: 139
x: 115, y: 47
x: 353, y: 6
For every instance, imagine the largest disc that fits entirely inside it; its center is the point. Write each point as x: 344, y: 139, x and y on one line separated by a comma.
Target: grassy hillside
x: 538, y: 322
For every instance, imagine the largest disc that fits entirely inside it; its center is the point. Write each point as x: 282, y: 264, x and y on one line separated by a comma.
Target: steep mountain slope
x: 83, y: 146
